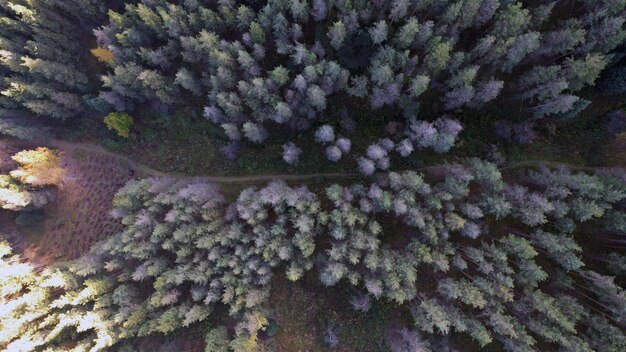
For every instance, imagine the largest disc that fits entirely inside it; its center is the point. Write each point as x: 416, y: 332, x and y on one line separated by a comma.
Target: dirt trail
x: 75, y: 146
x: 71, y: 147
x: 555, y: 164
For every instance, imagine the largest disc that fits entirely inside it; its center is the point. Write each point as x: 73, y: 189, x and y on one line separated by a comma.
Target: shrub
x: 613, y: 82
x: 28, y: 218
x: 121, y: 122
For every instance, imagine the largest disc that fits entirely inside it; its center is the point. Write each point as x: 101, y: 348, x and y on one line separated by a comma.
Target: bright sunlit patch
x: 13, y: 200
x: 103, y: 54
x: 39, y: 167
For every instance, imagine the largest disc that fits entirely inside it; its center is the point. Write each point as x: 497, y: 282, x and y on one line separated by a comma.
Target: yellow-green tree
x: 39, y: 167
x: 120, y: 122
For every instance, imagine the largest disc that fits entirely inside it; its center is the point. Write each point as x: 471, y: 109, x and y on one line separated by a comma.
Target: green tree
x: 121, y: 122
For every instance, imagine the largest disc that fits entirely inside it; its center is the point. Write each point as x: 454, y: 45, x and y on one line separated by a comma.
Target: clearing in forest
x: 81, y: 215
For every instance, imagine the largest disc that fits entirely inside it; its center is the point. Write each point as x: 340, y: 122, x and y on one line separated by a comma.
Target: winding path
x: 75, y: 146
x: 575, y: 167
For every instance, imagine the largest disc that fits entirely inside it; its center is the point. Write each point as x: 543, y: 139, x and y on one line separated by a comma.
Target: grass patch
x: 188, y: 144
x: 185, y: 142
x: 303, y: 309
x: 191, y: 145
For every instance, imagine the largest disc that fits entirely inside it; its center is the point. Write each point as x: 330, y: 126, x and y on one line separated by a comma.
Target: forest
x: 313, y: 175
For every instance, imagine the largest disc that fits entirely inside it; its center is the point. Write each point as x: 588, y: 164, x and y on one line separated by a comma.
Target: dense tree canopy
x: 469, y: 254
x: 184, y: 250
x: 280, y: 63
x: 42, y: 60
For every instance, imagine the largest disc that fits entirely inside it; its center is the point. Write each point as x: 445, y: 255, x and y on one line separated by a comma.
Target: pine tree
x: 42, y: 57
x: 461, y: 54
x: 291, y: 153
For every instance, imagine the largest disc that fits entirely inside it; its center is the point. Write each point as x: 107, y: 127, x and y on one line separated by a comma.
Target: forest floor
x: 79, y: 216
x: 71, y: 147
x: 183, y: 142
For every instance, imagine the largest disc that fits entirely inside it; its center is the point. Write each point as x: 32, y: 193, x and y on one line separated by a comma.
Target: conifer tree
x: 450, y: 55
x: 43, y: 58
